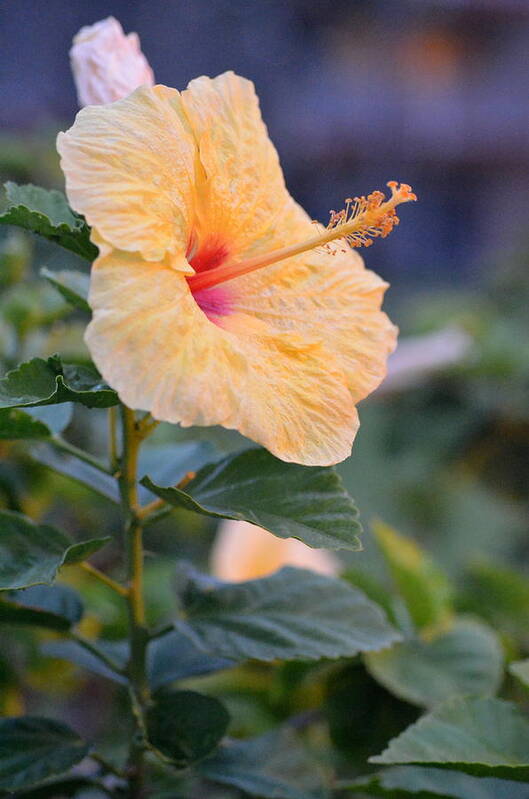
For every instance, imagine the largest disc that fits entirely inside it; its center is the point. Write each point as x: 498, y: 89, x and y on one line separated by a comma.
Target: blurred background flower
x: 243, y: 551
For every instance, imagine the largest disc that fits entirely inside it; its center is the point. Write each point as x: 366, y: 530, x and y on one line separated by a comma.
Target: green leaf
x: 78, y: 787
x: 74, y: 653
x: 175, y: 657
x: 520, y: 669
x: 55, y: 417
x: 425, y: 589
x: 173, y: 460
x: 34, y: 423
x: 308, y: 503
x: 498, y: 594
x: 485, y: 737
x: 186, y: 726
x: 32, y: 749
x: 71, y: 284
x: 272, y: 766
x: 169, y: 658
x: 40, y: 382
x: 293, y: 614
x: 84, y: 549
x: 55, y: 607
x: 361, y: 716
x: 374, y: 590
x: 401, y: 782
x: 84, y: 474
x: 48, y: 214
x: 465, y: 660
x: 18, y: 424
x: 167, y: 464
x: 32, y: 554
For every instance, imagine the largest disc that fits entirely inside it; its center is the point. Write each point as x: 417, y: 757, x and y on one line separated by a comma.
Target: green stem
x: 146, y: 425
x: 64, y: 446
x: 112, y: 439
x: 167, y: 628
x: 103, y: 578
x: 146, y: 511
x: 139, y: 636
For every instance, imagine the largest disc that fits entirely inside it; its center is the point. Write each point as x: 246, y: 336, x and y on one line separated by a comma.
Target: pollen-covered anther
x: 366, y: 218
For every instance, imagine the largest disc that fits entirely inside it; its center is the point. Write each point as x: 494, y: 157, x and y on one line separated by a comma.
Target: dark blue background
x: 354, y: 93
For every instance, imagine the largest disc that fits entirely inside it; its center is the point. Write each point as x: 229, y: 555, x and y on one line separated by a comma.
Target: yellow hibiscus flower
x: 216, y: 299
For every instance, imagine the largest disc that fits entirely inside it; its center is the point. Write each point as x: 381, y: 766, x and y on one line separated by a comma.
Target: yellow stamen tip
x: 366, y: 218
x: 403, y: 191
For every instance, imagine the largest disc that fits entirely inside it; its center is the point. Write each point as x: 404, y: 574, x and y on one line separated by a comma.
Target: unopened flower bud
x: 106, y: 64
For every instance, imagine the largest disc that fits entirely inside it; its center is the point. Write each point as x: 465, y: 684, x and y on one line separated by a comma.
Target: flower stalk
x: 138, y: 633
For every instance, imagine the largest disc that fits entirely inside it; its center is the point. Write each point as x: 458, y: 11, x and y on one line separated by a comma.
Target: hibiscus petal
x: 328, y: 294
x: 158, y: 349
x: 129, y: 169
x: 243, y: 195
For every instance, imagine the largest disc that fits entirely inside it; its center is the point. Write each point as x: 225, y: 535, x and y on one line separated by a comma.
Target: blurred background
x: 355, y: 93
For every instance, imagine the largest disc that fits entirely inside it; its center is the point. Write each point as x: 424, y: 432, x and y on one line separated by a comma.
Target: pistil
x: 362, y: 220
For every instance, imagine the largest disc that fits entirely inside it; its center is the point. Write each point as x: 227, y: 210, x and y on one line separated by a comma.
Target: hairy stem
x: 131, y: 437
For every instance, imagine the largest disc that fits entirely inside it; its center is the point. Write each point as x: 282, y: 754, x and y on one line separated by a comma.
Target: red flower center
x: 209, y: 254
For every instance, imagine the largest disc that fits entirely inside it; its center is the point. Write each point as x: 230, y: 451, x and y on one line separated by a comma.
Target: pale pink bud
x: 106, y: 64
x: 243, y: 551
